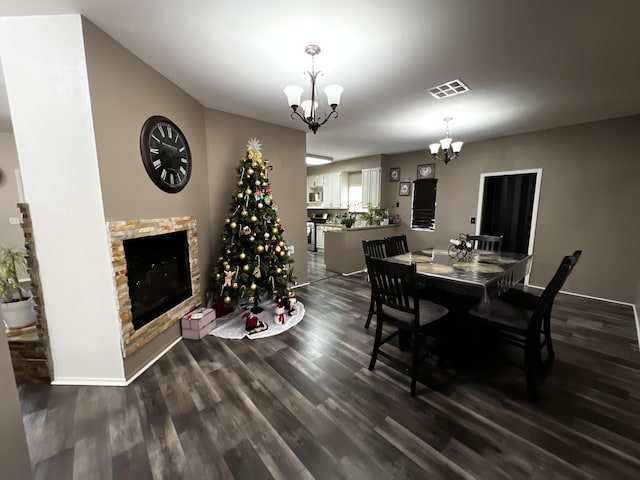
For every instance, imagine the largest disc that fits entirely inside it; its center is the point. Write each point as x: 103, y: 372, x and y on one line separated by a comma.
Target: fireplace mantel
x: 131, y: 339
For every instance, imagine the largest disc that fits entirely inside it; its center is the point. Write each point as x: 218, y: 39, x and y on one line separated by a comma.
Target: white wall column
x: 44, y: 65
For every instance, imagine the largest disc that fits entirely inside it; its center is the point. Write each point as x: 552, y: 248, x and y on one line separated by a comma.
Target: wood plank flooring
x: 303, y: 405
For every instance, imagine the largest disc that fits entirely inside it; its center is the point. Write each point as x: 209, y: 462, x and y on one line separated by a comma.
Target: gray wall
x: 589, y: 192
x: 10, y: 235
x: 14, y: 456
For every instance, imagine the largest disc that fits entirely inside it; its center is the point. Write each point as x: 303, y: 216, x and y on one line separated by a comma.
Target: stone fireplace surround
x: 132, y: 340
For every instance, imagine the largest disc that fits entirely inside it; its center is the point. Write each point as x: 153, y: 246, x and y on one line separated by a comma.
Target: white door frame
x: 536, y: 201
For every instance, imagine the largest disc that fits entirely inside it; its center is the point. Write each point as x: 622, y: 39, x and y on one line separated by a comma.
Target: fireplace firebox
x: 158, y: 273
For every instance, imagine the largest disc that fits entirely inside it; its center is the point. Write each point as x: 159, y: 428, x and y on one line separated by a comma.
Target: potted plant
x: 347, y: 221
x: 16, y: 306
x: 375, y: 215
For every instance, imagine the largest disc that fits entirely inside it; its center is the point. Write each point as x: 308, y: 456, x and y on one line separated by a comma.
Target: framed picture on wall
x: 405, y: 189
x: 427, y: 170
x: 394, y: 174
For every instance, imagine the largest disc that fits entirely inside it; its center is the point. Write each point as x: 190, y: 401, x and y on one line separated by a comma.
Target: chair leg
x: 531, y: 369
x: 372, y: 308
x: 414, y: 365
x: 376, y: 344
x: 551, y: 355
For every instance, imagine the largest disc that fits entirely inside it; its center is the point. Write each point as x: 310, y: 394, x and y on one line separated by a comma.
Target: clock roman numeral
x: 171, y: 179
x: 155, y: 138
x: 181, y: 150
x: 157, y: 164
x: 178, y: 177
x: 169, y: 132
x: 163, y: 175
x: 161, y: 131
x: 155, y: 150
x: 184, y: 160
x: 184, y: 172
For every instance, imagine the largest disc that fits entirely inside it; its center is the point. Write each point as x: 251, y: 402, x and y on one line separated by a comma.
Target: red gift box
x: 221, y: 308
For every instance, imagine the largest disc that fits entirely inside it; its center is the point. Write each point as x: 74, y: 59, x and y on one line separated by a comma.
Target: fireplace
x: 156, y: 275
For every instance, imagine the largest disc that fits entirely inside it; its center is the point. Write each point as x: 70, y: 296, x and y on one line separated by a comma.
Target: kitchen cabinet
x: 322, y: 229
x: 371, y: 186
x: 336, y: 190
x: 314, y: 181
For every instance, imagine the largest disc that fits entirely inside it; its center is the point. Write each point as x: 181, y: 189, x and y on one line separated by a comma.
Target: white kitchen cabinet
x: 336, y: 190
x: 371, y: 186
x: 314, y: 181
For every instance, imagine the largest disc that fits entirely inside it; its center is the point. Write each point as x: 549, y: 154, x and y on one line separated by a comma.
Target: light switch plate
x: 14, y: 220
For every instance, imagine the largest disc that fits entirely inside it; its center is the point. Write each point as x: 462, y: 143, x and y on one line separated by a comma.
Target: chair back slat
x: 491, y: 243
x: 397, y: 245
x: 393, y: 285
x: 375, y: 248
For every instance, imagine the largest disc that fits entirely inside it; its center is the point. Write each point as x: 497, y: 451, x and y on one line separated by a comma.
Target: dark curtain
x: 507, y: 210
x: 423, y: 211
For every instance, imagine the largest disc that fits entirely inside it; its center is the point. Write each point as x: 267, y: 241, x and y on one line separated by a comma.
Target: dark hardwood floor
x: 303, y: 405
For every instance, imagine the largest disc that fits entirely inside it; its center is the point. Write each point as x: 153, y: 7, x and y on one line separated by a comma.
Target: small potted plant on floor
x: 16, y: 306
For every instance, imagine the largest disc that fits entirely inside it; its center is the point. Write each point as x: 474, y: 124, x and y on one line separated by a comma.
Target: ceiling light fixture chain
x: 450, y: 149
x: 310, y: 107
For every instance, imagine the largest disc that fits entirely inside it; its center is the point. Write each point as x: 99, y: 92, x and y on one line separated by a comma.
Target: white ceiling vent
x: 449, y: 89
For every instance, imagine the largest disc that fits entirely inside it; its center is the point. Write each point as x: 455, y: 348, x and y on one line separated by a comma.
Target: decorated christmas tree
x: 254, y: 263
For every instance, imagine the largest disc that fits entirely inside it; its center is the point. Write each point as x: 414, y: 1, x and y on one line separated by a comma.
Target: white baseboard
x: 95, y: 382
x: 113, y: 382
x: 300, y: 285
x: 635, y: 310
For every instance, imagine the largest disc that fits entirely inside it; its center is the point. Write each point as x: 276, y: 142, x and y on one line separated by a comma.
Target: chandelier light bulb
x: 293, y: 93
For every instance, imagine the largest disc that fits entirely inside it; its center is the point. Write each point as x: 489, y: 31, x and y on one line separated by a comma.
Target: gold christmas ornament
x: 242, y: 256
x: 275, y: 230
x: 247, y: 191
x: 240, y: 183
x: 254, y: 165
x: 257, y: 183
x: 235, y: 285
x: 244, y: 213
x: 240, y: 195
x: 266, y: 235
x: 233, y: 225
x: 228, y: 251
x: 250, y: 171
x: 245, y: 268
x: 252, y: 238
x: 278, y: 271
x: 278, y: 220
x: 254, y: 218
x: 227, y: 220
x: 217, y: 276
x: 253, y: 286
x: 260, y: 249
x: 281, y: 243
x: 227, y: 299
x: 282, y: 253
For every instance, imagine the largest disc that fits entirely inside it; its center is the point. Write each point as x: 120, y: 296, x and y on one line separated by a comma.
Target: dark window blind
x: 423, y: 211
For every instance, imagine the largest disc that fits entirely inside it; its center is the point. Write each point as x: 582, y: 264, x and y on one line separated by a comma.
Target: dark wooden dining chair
x: 394, y: 288
x: 397, y: 245
x: 375, y: 249
x: 491, y: 243
x: 523, y: 319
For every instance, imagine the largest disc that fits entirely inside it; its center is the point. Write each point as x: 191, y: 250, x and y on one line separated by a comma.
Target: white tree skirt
x: 232, y: 325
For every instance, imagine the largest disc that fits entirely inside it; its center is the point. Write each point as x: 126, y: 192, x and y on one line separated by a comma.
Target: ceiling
x: 529, y: 65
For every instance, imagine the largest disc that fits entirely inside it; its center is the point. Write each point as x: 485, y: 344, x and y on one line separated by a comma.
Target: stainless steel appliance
x: 315, y: 197
x: 312, y: 231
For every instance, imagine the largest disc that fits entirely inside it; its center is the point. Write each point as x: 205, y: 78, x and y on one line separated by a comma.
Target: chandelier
x: 450, y: 149
x: 309, y: 107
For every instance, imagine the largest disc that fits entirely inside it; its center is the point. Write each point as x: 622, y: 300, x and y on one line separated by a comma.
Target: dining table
x: 481, y: 274
x: 459, y: 283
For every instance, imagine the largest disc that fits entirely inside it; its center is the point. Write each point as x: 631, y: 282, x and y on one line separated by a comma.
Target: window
x: 423, y: 208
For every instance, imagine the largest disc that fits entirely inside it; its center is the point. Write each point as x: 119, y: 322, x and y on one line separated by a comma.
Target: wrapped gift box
x: 198, y: 323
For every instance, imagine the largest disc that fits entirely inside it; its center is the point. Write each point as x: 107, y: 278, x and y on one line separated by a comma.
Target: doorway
x: 508, y: 206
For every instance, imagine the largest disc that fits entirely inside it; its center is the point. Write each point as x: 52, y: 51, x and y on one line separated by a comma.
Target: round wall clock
x: 165, y: 154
